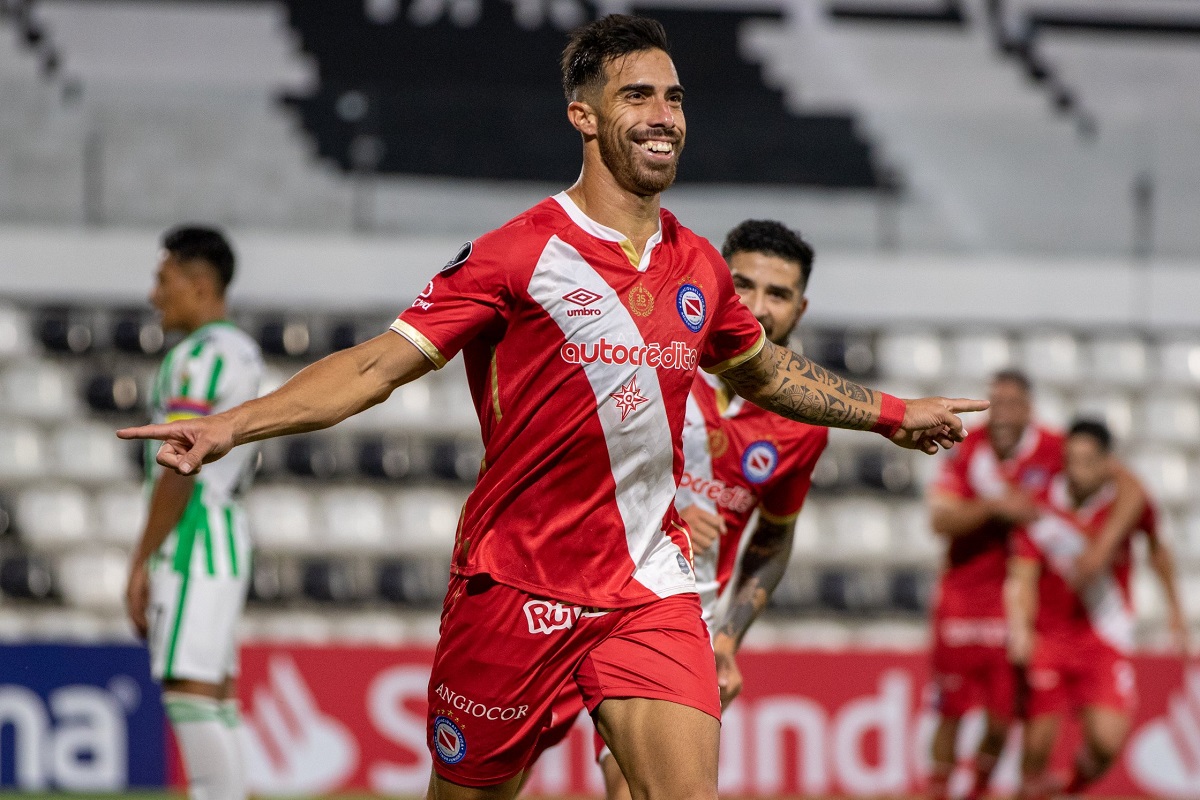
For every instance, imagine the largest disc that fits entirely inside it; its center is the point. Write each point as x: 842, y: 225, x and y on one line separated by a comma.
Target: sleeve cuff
x: 891, y: 414
x: 420, y: 341
x: 741, y: 358
x: 777, y: 519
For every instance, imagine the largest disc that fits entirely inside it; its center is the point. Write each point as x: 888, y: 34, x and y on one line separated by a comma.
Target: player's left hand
x: 932, y: 422
x: 137, y: 597
x: 705, y: 528
x: 729, y: 677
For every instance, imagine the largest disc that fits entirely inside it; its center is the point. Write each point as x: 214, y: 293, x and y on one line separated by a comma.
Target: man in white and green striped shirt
x: 190, y: 571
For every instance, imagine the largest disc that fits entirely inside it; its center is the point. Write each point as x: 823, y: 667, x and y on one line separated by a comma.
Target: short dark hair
x: 771, y: 238
x: 1093, y: 429
x: 594, y: 45
x: 1013, y: 375
x: 199, y: 243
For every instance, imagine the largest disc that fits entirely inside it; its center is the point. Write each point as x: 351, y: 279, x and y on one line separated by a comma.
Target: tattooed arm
x: 763, y: 565
x: 791, y: 385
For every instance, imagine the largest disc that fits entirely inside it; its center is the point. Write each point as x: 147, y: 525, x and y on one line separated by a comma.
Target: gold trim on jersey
x: 738, y: 360
x: 630, y: 253
x: 496, y: 387
x: 774, y: 520
x: 421, y: 342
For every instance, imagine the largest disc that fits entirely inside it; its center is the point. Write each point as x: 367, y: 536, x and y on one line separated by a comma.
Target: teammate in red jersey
x: 582, y: 322
x: 1075, y: 639
x: 987, y: 487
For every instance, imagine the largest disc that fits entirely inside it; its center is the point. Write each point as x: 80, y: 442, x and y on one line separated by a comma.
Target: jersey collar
x: 593, y: 228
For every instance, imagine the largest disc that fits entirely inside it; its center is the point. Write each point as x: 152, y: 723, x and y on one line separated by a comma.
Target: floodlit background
x: 986, y: 182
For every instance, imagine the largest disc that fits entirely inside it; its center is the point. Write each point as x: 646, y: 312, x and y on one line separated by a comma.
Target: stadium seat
x: 910, y: 590
x: 385, y: 458
x: 888, y: 470
x: 281, y: 519
x: 913, y: 539
x: 274, y: 579
x: 121, y: 514
x: 287, y: 338
x: 410, y: 408
x: 1169, y: 477
x: 912, y: 356
x: 426, y: 521
x: 15, y: 339
x: 415, y: 582
x: 1187, y: 544
x: 312, y: 456
x: 94, y: 579
x: 846, y: 352
x: 809, y: 536
x: 835, y: 469
x: 1052, y: 408
x: 1118, y: 361
x: 22, y: 452
x: 26, y: 577
x: 53, y: 517
x: 89, y: 452
x: 798, y: 590
x: 859, y: 531
x: 65, y: 331
x: 6, y: 516
x: 1171, y: 419
x: 41, y: 390
x: 1051, y: 357
x: 452, y: 408
x: 353, y: 520
x: 337, y: 581
x: 138, y: 333
x: 1114, y: 409
x: 456, y: 459
x: 1189, y: 595
x: 109, y: 392
x: 854, y: 591
x: 1179, y: 361
x: 979, y: 355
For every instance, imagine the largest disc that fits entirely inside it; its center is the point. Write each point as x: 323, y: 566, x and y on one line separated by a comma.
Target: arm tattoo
x: 763, y: 565
x: 795, y: 387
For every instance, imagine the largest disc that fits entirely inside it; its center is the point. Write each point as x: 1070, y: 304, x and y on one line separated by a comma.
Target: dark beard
x: 617, y: 155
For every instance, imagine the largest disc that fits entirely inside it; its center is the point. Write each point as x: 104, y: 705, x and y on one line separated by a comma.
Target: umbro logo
x: 583, y: 298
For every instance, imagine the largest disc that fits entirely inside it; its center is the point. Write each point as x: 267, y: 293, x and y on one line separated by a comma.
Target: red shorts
x: 974, y: 676
x: 505, y: 656
x: 1066, y: 675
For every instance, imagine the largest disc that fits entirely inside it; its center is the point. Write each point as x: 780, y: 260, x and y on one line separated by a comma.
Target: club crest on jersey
x: 690, y: 302
x: 759, y: 461
x: 448, y: 740
x: 464, y: 253
x: 641, y: 302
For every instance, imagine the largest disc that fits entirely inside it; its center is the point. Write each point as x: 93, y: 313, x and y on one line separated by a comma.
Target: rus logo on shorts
x: 448, y: 741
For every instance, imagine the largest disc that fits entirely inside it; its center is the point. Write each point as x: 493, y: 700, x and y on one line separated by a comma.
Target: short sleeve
x: 952, y: 475
x: 470, y: 293
x: 734, y: 335
x: 196, y: 381
x: 1022, y: 546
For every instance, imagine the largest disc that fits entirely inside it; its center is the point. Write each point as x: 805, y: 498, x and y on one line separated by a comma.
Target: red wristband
x: 891, y: 414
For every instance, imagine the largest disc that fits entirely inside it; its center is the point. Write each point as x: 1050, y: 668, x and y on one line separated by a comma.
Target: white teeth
x: 657, y: 147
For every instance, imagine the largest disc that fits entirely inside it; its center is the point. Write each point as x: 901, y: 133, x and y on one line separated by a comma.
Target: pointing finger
x: 962, y: 405
x: 146, y: 432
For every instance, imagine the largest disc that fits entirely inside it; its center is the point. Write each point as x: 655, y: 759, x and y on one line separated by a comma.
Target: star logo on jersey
x: 628, y: 398
x: 641, y: 302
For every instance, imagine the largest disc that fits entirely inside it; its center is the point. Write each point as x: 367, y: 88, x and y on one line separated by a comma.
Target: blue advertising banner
x: 79, y: 718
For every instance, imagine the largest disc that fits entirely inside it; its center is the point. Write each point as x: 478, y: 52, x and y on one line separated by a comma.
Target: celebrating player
x: 582, y: 322
x: 986, y: 488
x: 189, y: 573
x: 1076, y: 640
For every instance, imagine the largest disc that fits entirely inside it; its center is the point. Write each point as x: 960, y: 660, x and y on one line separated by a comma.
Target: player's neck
x: 600, y: 197
x: 206, y: 316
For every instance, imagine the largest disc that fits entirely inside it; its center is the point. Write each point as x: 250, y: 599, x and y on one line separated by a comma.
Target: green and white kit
x: 200, y: 575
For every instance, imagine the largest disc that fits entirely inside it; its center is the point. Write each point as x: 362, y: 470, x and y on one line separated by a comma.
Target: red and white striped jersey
x: 739, y: 458
x: 1104, y: 610
x: 580, y: 356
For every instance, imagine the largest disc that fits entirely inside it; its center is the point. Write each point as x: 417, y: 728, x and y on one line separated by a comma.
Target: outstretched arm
x: 320, y: 395
x: 763, y: 564
x: 1163, y: 564
x: 791, y: 385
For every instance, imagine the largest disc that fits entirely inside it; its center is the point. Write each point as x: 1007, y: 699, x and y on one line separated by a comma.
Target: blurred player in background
x: 987, y: 487
x: 1075, y: 638
x: 190, y: 571
x: 582, y: 322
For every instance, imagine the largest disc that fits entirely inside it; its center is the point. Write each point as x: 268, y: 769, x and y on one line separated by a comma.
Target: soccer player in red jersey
x: 987, y: 487
x: 582, y: 322
x: 1075, y: 639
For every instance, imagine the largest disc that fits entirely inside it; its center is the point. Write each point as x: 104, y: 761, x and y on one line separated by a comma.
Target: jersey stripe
x: 233, y: 555
x: 218, y: 365
x: 641, y: 453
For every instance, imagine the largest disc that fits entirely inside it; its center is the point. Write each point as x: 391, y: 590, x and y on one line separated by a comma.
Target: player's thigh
x: 443, y: 789
x: 999, y: 688
x: 1105, y: 728
x: 1038, y: 740
x: 664, y: 749
x: 193, y: 624
x: 615, y: 785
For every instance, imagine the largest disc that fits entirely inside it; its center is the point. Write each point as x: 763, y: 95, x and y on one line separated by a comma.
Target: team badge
x: 690, y: 302
x: 718, y: 442
x: 464, y: 253
x: 759, y: 461
x: 448, y: 741
x: 641, y: 302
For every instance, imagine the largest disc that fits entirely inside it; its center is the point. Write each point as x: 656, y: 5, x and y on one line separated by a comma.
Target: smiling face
x: 1010, y: 414
x: 1087, y: 464
x: 639, y: 121
x: 772, y: 288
